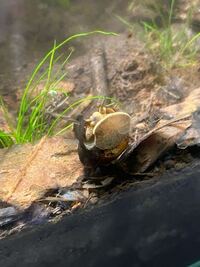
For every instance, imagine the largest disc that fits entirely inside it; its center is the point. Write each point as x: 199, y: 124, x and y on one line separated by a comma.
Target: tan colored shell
x: 110, y: 131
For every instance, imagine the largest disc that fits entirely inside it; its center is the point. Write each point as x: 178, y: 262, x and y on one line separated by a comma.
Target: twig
x: 170, y: 122
x: 99, y: 77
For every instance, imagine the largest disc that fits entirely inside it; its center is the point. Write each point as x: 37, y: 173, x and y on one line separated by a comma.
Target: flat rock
x: 28, y: 171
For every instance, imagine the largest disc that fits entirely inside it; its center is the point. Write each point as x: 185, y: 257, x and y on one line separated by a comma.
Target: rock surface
x: 28, y: 171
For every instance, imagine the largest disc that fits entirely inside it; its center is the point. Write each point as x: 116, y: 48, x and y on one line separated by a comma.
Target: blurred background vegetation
x: 168, y: 29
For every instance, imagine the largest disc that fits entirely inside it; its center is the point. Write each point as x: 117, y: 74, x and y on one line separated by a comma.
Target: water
x: 28, y: 29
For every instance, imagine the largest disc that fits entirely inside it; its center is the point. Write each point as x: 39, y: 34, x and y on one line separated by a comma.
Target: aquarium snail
x: 103, y: 136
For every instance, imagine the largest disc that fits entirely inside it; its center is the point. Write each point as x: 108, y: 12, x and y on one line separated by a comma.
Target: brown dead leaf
x: 145, y: 151
x: 149, y: 150
x: 192, y: 135
x: 27, y: 171
x: 183, y: 129
x: 188, y: 106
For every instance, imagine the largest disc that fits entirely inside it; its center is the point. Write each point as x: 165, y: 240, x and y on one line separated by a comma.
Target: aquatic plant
x: 31, y: 124
x: 5, y: 139
x: 174, y: 47
x: 172, y: 44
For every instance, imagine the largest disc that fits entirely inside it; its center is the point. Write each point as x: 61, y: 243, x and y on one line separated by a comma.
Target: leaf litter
x: 32, y: 175
x: 47, y: 179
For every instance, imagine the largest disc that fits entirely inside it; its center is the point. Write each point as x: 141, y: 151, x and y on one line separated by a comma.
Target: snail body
x: 102, y: 137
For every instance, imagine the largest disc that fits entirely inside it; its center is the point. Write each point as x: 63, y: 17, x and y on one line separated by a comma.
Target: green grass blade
x: 171, y: 12
x: 5, y: 139
x: 189, y: 43
x: 24, y: 101
x: 65, y: 129
x: 74, y: 105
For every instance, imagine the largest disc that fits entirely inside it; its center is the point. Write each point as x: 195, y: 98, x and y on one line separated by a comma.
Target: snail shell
x: 109, y: 132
